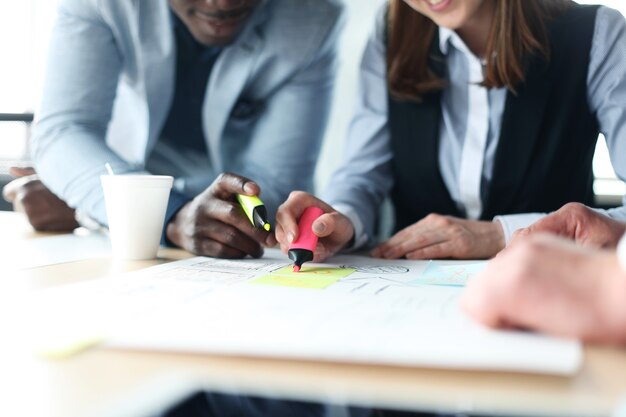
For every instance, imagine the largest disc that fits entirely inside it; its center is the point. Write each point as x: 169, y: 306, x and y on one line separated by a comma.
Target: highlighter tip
x: 266, y: 226
x: 296, y: 268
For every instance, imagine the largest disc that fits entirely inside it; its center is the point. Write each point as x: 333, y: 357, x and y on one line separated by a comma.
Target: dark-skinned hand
x: 214, y: 224
x: 44, y: 210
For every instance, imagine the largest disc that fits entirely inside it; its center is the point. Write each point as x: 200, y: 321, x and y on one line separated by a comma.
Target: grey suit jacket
x: 110, y: 79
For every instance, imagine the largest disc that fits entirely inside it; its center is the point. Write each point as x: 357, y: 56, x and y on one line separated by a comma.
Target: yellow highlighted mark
x: 309, y: 277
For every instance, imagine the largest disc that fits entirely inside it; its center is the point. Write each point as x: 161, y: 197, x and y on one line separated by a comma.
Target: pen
x: 255, y: 210
x: 302, y: 249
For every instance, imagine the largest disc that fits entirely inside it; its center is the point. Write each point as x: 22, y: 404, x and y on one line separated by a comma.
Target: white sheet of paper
x: 374, y: 315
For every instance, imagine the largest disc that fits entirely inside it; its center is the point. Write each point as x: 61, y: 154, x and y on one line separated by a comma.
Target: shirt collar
x: 449, y: 37
x: 444, y: 38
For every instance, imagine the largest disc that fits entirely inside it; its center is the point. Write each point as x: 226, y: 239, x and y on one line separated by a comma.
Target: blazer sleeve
x: 68, y: 145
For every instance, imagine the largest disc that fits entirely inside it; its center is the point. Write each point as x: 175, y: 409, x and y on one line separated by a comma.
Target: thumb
x: 325, y: 225
x: 520, y: 233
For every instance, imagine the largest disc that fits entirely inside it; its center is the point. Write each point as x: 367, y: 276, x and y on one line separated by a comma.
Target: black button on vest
x: 546, y: 144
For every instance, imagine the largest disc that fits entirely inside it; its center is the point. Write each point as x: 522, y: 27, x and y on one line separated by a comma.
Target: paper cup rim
x: 149, y: 181
x: 139, y: 177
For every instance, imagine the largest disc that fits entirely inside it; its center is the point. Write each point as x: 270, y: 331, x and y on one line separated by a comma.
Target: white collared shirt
x: 466, y: 131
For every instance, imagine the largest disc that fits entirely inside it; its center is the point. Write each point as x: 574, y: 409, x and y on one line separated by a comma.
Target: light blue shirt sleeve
x: 360, y: 184
x: 606, y: 94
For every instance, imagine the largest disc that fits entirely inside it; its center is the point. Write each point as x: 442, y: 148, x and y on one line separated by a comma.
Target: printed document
x: 350, y: 309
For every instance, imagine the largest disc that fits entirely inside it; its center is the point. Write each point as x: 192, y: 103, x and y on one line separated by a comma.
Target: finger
x: 321, y: 253
x: 271, y: 241
x: 228, y: 184
x: 21, y: 171
x: 545, y: 225
x: 325, y: 224
x: 208, y: 247
x: 279, y: 233
x: 232, y: 237
x: 291, y: 210
x: 232, y: 214
x: 516, y: 237
x: 521, y: 233
x: 412, y: 243
x: 476, y: 303
x: 402, y: 236
x: 441, y: 250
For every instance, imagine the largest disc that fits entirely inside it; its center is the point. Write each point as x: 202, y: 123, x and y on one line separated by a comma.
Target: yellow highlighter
x: 255, y: 210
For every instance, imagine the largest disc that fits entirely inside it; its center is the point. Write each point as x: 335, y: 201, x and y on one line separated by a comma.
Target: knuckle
x: 219, y: 251
x: 195, y: 245
x: 296, y: 195
x: 437, y: 219
x: 575, y: 209
x: 230, y: 238
x: 232, y: 212
x: 222, y: 177
x: 432, y: 217
x: 457, y: 230
x: 222, y: 252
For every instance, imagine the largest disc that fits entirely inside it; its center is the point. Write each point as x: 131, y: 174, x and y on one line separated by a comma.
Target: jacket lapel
x: 228, y: 78
x: 158, y: 59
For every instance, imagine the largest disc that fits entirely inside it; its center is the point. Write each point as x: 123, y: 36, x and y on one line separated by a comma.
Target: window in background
x: 24, y: 32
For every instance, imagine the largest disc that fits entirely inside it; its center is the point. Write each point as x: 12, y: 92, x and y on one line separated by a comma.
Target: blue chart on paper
x: 449, y: 275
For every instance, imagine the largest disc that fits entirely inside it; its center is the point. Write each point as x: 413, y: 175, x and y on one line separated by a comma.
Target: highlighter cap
x: 259, y: 218
x: 300, y: 256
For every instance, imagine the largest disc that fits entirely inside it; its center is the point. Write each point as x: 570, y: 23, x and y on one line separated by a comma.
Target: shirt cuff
x: 513, y: 222
x: 176, y: 201
x: 360, y: 237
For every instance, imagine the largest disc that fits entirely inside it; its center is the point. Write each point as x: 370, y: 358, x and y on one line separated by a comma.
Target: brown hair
x: 517, y: 31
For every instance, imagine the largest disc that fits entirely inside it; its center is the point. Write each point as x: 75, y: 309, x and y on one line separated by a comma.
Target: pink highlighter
x: 302, y: 249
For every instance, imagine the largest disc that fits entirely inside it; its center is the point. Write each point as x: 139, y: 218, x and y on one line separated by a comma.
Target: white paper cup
x: 136, y: 206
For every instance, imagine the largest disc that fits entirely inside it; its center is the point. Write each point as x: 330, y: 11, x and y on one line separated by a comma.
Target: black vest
x: 546, y: 144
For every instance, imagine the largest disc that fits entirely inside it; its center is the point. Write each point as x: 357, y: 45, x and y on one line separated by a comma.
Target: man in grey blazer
x: 189, y: 88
